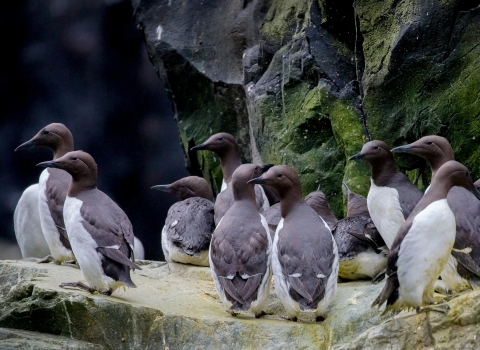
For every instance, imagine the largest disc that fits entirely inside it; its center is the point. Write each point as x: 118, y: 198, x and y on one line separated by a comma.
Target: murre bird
x: 27, y: 226
x: 356, y: 203
x: 100, y: 232
x: 304, y: 253
x: 362, y: 251
x: 392, y: 196
x: 463, y: 267
x: 240, y: 251
x: 138, y: 249
x: 424, y: 242
x: 189, y: 223
x: 226, y: 147
x: 316, y: 199
x: 53, y: 187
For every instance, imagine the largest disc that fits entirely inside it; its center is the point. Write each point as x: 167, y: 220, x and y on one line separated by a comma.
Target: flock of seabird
x: 260, y: 227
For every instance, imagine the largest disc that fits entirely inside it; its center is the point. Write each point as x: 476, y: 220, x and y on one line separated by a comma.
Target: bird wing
x: 240, y: 264
x: 109, y: 226
x: 306, y: 266
x: 190, y: 223
x: 408, y: 194
x: 466, y: 208
x: 56, y: 191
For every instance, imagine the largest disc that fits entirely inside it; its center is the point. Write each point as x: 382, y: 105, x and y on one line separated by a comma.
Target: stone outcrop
x: 307, y: 82
x: 176, y: 307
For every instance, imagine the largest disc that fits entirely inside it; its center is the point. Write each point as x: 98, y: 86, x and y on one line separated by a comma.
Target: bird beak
x: 475, y: 191
x: 266, y: 167
x: 357, y: 156
x: 50, y: 164
x: 25, y: 145
x: 164, y: 188
x: 200, y: 147
x: 403, y: 149
x: 257, y: 180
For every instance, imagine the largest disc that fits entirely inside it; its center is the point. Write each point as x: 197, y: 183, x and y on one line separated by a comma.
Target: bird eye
x: 280, y: 176
x: 376, y: 147
x: 74, y: 158
x: 45, y: 132
x: 220, y: 139
x: 429, y: 143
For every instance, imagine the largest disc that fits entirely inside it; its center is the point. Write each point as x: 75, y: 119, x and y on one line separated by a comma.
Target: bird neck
x: 244, y: 192
x: 62, y: 148
x: 289, y: 201
x: 437, y: 162
x: 229, y: 162
x: 383, y: 170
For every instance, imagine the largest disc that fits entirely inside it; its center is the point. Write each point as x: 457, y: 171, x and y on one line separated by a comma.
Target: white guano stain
x: 159, y: 32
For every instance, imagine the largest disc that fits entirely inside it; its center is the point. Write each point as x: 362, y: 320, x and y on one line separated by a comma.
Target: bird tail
x: 389, y: 292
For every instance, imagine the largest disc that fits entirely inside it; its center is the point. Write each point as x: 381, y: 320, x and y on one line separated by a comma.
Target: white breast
x: 27, y: 225
x: 364, y: 265
x: 173, y: 253
x: 385, y: 210
x: 138, y: 249
x: 424, y: 252
x: 224, y: 186
x: 281, y: 284
x: 83, y: 246
x: 57, y: 249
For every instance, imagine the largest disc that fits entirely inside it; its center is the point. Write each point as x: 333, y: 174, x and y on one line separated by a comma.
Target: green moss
x: 283, y: 19
x: 312, y: 130
x: 434, y: 90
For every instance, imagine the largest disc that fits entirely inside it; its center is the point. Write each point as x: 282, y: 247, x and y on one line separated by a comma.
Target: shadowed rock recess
x: 307, y: 82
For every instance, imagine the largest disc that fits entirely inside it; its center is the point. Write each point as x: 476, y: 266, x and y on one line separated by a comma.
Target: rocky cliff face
x: 307, y: 82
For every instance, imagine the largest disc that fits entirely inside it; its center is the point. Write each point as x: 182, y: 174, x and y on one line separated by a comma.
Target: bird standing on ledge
x: 100, y: 232
x: 53, y: 187
x: 304, y: 253
x: 392, y: 196
x: 424, y: 242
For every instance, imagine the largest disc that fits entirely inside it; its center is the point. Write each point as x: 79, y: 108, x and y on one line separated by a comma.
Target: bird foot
x: 441, y: 308
x: 107, y: 291
x: 71, y: 263
x: 77, y: 285
x: 263, y: 313
x: 440, y: 287
x: 453, y: 296
x: 290, y: 318
x: 46, y: 259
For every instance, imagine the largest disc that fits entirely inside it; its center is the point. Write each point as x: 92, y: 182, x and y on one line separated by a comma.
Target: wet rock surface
x: 175, y: 306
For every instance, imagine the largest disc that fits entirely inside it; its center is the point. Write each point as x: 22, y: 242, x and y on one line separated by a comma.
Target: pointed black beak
x: 403, y: 149
x: 164, y: 188
x: 257, y: 180
x: 50, y: 164
x: 266, y: 167
x: 475, y: 192
x: 357, y: 156
x: 25, y: 145
x: 200, y: 147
